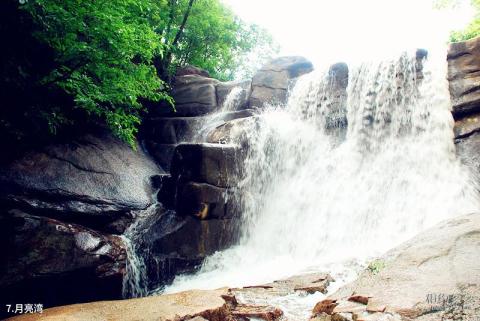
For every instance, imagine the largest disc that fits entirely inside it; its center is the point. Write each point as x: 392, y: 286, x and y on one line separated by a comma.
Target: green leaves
x: 472, y: 30
x: 104, y: 51
x: 75, y: 62
x: 215, y: 39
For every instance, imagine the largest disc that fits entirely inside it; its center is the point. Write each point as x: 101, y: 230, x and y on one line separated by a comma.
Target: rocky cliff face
x: 464, y: 78
x: 62, y: 209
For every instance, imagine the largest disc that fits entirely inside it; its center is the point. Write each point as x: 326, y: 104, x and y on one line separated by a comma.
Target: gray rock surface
x: 97, y: 175
x: 214, y: 164
x: 194, y: 95
x: 270, y: 84
x: 425, y: 278
x: 49, y: 261
x: 464, y: 76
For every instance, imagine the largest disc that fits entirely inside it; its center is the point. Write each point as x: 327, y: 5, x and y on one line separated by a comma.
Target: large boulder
x: 270, y: 84
x: 191, y: 70
x: 235, y: 131
x: 434, y: 276
x: 214, y: 164
x: 464, y: 76
x: 195, y: 305
x: 95, y: 176
x: 52, y: 262
x: 194, y: 95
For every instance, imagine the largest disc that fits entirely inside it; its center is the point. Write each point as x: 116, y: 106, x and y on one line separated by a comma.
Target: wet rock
x: 205, y: 201
x: 233, y: 131
x: 464, y: 76
x: 194, y: 95
x: 161, y: 153
x: 172, y: 130
x: 333, y: 104
x: 307, y: 283
x: 172, y: 244
x: 214, y: 164
x: 439, y: 263
x: 468, y: 151
x: 48, y: 261
x: 466, y: 126
x: 93, y: 180
x: 241, y: 100
x: 212, y: 305
x: 270, y: 84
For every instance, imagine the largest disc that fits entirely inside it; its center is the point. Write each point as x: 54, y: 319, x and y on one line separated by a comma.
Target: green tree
x: 75, y: 62
x: 207, y: 34
x: 103, y: 54
x: 473, y: 28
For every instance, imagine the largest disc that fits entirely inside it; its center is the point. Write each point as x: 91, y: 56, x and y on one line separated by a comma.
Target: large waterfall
x: 334, y: 179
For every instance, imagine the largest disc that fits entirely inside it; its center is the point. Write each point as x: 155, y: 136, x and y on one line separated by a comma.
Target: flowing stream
x: 334, y: 179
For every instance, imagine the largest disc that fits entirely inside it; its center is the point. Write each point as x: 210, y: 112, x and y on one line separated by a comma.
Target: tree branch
x: 184, y: 22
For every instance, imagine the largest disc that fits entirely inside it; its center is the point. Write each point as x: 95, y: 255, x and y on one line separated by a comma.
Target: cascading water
x: 218, y: 118
x: 328, y: 187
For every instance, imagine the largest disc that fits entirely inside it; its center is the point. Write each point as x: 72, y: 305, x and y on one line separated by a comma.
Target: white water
x: 315, y: 202
x: 217, y: 118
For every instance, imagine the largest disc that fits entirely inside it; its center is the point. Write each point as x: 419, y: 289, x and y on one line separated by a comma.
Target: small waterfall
x: 335, y: 178
x: 135, y: 280
x: 229, y: 105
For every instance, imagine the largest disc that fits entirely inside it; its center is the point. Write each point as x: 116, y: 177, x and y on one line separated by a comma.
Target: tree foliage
x: 213, y: 38
x: 473, y: 28
x: 82, y: 61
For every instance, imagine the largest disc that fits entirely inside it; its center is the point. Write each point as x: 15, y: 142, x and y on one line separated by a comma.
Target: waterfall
x: 335, y: 178
x: 209, y: 123
x: 135, y: 279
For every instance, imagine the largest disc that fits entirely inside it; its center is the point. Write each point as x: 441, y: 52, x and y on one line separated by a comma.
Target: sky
x: 328, y: 31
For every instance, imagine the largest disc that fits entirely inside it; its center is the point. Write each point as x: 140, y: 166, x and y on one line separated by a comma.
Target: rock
x: 468, y: 151
x: 173, y: 245
x: 424, y: 276
x: 467, y: 126
x: 464, y: 76
x: 219, y: 119
x: 324, y: 307
x: 194, y: 95
x: 333, y: 104
x: 241, y: 97
x: 205, y: 201
x: 191, y: 70
x: 262, y: 312
x: 48, y: 261
x: 271, y: 292
x: 270, y: 84
x: 359, y: 299
x: 214, y: 164
x: 233, y: 131
x: 94, y: 180
x: 172, y: 130
x: 212, y: 305
x: 161, y: 153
